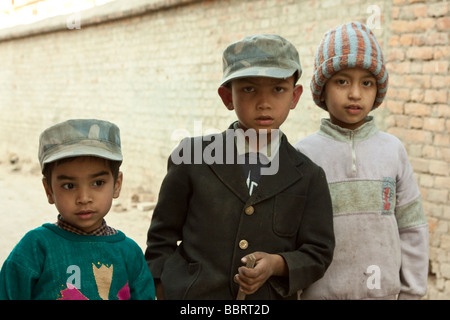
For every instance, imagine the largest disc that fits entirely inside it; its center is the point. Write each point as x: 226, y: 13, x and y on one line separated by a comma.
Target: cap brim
x: 82, y: 150
x: 271, y: 72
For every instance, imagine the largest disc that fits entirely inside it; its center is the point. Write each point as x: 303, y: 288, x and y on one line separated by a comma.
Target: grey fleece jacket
x: 379, y: 223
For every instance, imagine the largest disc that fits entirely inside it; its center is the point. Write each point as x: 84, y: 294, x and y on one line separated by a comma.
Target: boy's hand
x: 267, y: 265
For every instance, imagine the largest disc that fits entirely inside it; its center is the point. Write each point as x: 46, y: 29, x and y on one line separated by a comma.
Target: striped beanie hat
x: 348, y: 46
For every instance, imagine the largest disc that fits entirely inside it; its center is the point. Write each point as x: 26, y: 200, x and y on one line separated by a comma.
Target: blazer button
x: 249, y: 210
x: 243, y: 244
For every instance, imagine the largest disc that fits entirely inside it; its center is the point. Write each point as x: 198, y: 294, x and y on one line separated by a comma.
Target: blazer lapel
x: 288, y: 173
x: 230, y: 173
x: 232, y: 176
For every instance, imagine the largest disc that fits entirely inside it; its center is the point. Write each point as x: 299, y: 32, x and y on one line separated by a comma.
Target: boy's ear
x: 226, y: 96
x: 118, y: 185
x: 48, y: 191
x: 298, y: 90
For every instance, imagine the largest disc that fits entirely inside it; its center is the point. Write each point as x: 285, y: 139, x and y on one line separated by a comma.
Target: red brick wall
x: 418, y: 56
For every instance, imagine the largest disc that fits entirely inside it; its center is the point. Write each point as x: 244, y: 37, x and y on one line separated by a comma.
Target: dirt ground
x: 23, y: 207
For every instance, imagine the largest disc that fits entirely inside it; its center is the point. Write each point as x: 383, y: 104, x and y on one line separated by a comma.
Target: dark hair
x: 48, y: 168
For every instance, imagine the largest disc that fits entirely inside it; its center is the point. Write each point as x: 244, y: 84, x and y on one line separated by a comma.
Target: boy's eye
x: 279, y: 89
x: 341, y: 81
x: 98, y: 183
x: 68, y: 186
x: 368, y: 83
x: 248, y: 89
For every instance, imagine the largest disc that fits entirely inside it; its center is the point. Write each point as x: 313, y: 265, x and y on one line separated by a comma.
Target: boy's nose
x: 83, y: 196
x: 263, y: 101
x: 355, y: 91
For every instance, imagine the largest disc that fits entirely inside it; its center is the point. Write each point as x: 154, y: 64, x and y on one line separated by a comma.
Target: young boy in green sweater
x: 79, y: 257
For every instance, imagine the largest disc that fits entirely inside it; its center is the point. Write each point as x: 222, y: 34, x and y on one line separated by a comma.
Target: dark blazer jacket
x: 205, y: 221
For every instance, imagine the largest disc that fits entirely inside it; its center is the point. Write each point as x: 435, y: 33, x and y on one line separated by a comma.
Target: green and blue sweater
x: 51, y: 263
x: 379, y: 224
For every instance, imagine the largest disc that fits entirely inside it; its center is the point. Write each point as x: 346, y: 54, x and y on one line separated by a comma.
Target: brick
x: 440, y: 81
x: 444, y: 153
x: 400, y: 26
x: 416, y: 67
x: 439, y: 167
x: 421, y: 53
x: 432, y: 224
x: 443, y: 24
x: 441, y: 52
x: 402, y: 121
x: 418, y: 40
x: 416, y: 81
x: 434, y: 124
x: 438, y: 9
x: 436, y: 67
x: 395, y: 54
x: 426, y: 180
x: 403, y: 94
x: 442, y: 110
x: 417, y: 109
x: 437, y: 195
x: 406, y: 13
x: 419, y: 164
x: 405, y: 39
x: 415, y: 150
x: 395, y: 12
x: 442, y: 139
x: 417, y: 95
x: 423, y: 25
x: 415, y: 123
x: 435, y: 96
x: 436, y: 38
x: 429, y: 151
x: 442, y: 182
x: 419, y: 136
x: 401, y: 67
x: 395, y: 106
x: 420, y: 11
x: 394, y: 41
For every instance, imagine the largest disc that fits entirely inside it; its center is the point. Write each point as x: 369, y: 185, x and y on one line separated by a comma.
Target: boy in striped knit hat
x: 379, y: 223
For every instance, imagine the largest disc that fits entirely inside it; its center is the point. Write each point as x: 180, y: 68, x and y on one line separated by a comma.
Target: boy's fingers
x: 249, y: 260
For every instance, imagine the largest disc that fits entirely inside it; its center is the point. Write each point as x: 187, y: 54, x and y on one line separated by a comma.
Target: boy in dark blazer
x: 244, y: 193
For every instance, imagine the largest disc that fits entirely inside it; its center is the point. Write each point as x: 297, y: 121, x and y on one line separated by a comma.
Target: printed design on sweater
x: 388, y: 195
x: 103, y: 277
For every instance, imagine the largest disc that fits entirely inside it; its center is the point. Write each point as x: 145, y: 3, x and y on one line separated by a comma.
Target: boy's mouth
x: 264, y: 120
x: 353, y: 108
x: 85, y: 214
